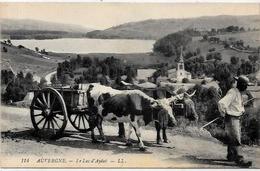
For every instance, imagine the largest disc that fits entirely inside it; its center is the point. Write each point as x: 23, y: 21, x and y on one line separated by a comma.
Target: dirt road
x: 21, y: 149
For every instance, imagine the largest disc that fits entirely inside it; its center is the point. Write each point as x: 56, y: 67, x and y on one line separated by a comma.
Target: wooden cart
x: 51, y: 108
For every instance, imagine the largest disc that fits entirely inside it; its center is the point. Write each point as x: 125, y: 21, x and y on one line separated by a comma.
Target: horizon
x: 101, y: 16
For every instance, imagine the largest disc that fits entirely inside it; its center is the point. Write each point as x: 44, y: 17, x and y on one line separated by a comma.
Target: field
x: 29, y: 61
x: 250, y: 38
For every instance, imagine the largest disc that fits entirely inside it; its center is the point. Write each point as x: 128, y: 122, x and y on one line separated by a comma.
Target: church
x: 179, y: 73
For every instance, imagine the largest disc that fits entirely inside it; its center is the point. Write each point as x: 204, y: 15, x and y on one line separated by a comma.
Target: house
x: 144, y: 74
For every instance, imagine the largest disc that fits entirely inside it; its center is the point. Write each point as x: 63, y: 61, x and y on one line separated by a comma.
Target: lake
x: 85, y: 45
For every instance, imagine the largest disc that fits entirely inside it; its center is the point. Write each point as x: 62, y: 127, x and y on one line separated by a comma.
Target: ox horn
x: 154, y: 103
x: 192, y: 94
x: 180, y: 96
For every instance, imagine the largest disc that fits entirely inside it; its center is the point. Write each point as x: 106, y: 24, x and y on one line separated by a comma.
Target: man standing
x: 232, y: 107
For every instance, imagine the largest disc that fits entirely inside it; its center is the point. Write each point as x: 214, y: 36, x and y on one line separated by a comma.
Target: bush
x: 20, y: 46
x: 185, y: 80
x: 212, y: 49
x: 4, y: 49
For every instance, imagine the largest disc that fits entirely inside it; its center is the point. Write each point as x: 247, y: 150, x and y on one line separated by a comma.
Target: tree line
x: 17, y: 86
x: 87, y: 70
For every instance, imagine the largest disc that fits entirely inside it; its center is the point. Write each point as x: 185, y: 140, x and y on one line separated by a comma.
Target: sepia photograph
x: 130, y: 85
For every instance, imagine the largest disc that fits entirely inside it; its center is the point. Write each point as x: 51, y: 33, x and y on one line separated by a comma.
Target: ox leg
x: 93, y: 137
x: 121, y: 132
x: 136, y: 127
x: 92, y: 125
x: 100, y: 129
x: 128, y: 141
x: 158, y: 130
x: 165, y: 140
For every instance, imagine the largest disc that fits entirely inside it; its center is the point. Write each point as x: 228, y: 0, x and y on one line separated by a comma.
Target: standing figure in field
x: 232, y: 108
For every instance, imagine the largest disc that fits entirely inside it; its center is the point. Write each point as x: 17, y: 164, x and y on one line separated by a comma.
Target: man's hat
x: 242, y: 78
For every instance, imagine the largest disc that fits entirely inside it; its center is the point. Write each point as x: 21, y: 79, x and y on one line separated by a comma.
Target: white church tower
x: 181, y: 73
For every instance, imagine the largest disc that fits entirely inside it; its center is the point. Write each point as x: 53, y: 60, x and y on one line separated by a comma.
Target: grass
x: 27, y: 60
x: 226, y: 53
x: 251, y: 38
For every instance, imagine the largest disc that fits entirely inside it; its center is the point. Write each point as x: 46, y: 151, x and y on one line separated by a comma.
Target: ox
x: 163, y: 119
x: 128, y: 106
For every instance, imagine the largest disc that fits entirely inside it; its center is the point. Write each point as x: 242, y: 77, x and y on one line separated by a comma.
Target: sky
x: 105, y: 15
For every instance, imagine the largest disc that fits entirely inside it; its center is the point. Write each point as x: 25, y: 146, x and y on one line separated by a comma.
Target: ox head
x: 181, y: 96
x: 189, y: 106
x: 163, y: 106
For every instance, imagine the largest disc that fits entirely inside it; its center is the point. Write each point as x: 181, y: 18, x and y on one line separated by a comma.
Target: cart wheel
x: 48, y: 113
x: 80, y: 121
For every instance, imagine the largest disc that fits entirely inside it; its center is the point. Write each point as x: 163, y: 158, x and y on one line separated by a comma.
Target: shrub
x: 4, y: 49
x: 185, y: 80
x: 212, y: 49
x: 20, y: 46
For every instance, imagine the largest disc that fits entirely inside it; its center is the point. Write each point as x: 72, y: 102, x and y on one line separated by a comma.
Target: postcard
x: 130, y: 85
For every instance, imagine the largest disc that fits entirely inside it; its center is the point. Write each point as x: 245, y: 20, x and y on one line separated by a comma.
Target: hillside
x: 226, y: 53
x: 154, y: 29
x: 30, y: 29
x: 26, y: 60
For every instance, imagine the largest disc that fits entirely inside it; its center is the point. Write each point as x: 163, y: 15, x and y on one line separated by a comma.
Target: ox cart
x: 51, y: 108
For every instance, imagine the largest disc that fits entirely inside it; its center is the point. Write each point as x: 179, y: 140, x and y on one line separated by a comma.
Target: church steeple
x: 181, y: 57
x: 180, y: 65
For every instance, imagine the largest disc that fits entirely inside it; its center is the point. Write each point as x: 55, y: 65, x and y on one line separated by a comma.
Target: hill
x: 226, y: 53
x: 157, y: 28
x: 23, y: 59
x: 28, y: 29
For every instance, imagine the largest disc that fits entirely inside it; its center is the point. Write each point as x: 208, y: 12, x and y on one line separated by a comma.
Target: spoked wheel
x: 48, y: 113
x: 80, y: 121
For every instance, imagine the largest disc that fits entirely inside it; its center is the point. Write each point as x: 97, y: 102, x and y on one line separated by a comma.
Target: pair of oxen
x: 133, y: 107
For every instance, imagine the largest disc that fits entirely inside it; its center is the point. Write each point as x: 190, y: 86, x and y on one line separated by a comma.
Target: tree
x: 224, y: 76
x: 79, y: 60
x: 28, y: 81
x: 9, y: 42
x: 36, y: 49
x: 170, y: 45
x: 205, y: 37
x: 54, y: 79
x: 200, y: 59
x: 198, y: 51
x: 234, y: 60
x: 7, y: 77
x: 185, y: 80
x: 253, y: 59
x: 105, y: 69
x: 218, y: 56
x: 86, y: 62
x: 4, y: 49
x: 20, y: 77
x: 43, y: 82
x: 241, y: 29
